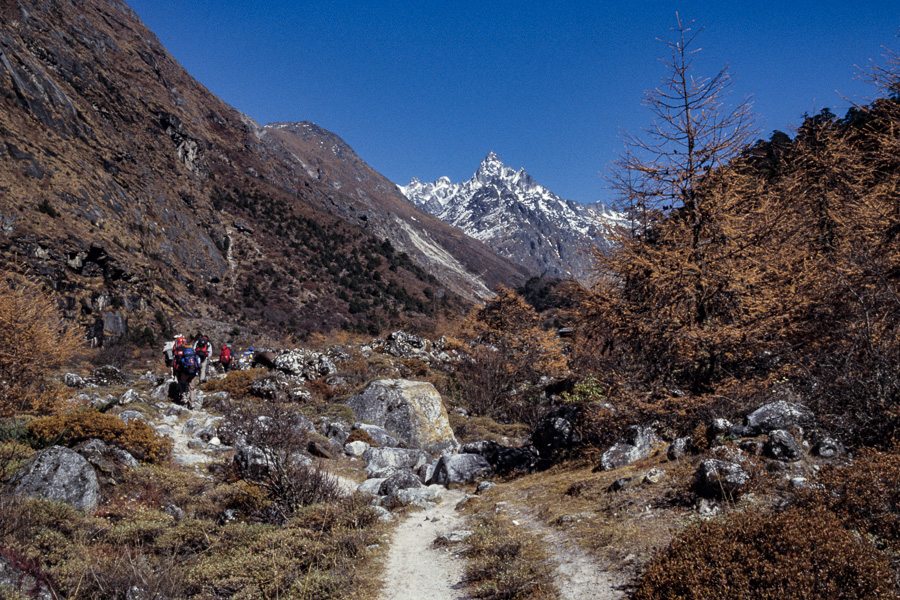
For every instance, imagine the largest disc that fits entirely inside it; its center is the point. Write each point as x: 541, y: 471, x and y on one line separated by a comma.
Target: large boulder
x: 721, y: 479
x: 401, y: 480
x: 109, y: 463
x: 383, y: 462
x: 639, y: 443
x: 304, y: 363
x: 504, y: 459
x: 382, y: 436
x: 59, y: 474
x: 411, y: 409
x: 460, y: 468
x: 776, y: 415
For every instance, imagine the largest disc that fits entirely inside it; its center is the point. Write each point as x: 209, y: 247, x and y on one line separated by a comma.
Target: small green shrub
x: 794, y: 555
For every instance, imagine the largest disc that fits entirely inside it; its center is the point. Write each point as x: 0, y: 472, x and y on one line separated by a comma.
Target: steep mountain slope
x: 137, y: 195
x: 518, y: 218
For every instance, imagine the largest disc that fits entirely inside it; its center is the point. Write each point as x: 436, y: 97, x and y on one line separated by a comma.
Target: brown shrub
x: 794, y: 555
x: 320, y: 390
x: 71, y: 428
x: 236, y: 383
x: 865, y: 495
x: 34, y: 341
x: 361, y: 435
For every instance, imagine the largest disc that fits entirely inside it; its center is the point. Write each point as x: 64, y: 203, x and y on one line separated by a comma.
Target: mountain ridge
x: 520, y: 219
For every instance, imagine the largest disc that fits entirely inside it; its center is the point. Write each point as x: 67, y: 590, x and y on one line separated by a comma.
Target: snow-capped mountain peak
x: 520, y: 219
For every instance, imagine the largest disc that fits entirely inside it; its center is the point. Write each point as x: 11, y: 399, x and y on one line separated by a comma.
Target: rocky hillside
x: 521, y: 220
x: 138, y: 196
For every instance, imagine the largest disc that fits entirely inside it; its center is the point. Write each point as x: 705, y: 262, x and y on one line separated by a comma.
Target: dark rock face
x: 251, y: 463
x: 504, y: 460
x: 109, y: 462
x: 59, y: 474
x: 460, y: 468
x: 556, y: 433
x: 721, y: 479
x: 782, y: 446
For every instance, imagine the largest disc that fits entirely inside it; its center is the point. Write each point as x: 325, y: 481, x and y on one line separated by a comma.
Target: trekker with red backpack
x: 225, y: 357
x: 202, y: 349
x: 187, y: 365
x: 178, y: 346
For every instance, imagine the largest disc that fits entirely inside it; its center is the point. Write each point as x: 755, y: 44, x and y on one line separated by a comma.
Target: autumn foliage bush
x: 34, y: 341
x: 508, y: 356
x: 794, y: 555
x: 71, y: 428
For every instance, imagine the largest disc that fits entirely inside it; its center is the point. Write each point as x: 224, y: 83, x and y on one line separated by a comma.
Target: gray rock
x: 401, y: 480
x: 782, y: 446
x: 382, y: 462
x: 485, y: 486
x: 371, y: 486
x: 305, y: 363
x: 556, y: 434
x: 59, y: 474
x: 717, y: 478
x: 205, y: 434
x: 109, y: 375
x: 720, y: 426
x: 752, y: 447
x: 680, y: 448
x: 357, y: 448
x: 190, y: 426
x: 413, y: 410
x: 131, y: 415
x: 422, y: 496
x: 639, y: 443
x: 828, y: 448
x: 460, y: 468
x: 27, y: 586
x: 456, y: 536
x: 383, y: 513
x: 382, y: 436
x: 74, y: 381
x: 129, y: 396
x: 336, y: 431
x: 252, y: 463
x: 177, y: 411
x: 777, y: 415
x: 161, y: 392
x: 653, y: 476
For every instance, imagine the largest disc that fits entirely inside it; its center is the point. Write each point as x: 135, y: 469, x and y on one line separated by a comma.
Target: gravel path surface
x: 416, y: 570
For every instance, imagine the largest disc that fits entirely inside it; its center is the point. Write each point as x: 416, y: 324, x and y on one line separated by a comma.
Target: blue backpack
x: 188, y: 362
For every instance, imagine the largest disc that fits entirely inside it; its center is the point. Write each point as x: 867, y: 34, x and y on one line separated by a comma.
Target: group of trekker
x: 187, y: 361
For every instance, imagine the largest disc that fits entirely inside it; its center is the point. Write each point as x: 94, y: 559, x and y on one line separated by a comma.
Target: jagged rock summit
x: 518, y: 218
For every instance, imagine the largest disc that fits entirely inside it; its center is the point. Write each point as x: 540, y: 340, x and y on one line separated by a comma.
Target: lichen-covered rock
x: 109, y: 375
x: 639, y: 443
x: 304, y: 363
x: 413, y: 410
x: 680, y: 448
x: 357, y: 448
x: 460, y: 468
x: 59, y: 474
x: 718, y: 478
x: 777, y: 415
x: 382, y: 436
x: 252, y: 463
x: 828, y: 448
x: 74, y: 381
x: 782, y: 446
x: 401, y: 480
x: 556, y: 433
x: 13, y: 579
x: 383, y: 462
x: 420, y: 496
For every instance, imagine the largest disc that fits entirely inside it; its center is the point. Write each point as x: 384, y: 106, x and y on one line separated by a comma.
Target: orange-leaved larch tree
x: 510, y: 354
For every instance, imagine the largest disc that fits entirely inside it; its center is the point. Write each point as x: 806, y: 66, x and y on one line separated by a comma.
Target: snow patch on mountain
x: 519, y: 218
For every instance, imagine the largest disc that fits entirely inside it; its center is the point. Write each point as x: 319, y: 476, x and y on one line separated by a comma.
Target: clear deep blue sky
x: 425, y: 89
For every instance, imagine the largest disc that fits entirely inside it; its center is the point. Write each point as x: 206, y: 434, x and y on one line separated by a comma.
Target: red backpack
x: 225, y: 354
x: 202, y: 347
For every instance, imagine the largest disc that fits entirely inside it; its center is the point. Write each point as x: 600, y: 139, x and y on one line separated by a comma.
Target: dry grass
x: 620, y: 529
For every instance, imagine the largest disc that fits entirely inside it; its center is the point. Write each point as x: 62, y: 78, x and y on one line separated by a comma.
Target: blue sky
x: 425, y: 89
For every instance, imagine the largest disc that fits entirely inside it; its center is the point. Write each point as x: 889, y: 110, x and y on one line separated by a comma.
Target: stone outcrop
x: 639, y: 443
x: 460, y: 468
x: 413, y: 410
x: 384, y: 462
x: 775, y: 415
x: 721, y: 479
x: 61, y: 475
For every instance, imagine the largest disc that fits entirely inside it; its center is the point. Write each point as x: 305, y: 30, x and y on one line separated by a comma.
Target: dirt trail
x: 577, y: 575
x: 415, y: 570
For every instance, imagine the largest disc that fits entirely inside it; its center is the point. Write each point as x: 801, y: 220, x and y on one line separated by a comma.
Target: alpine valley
x: 519, y: 219
x: 137, y: 196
